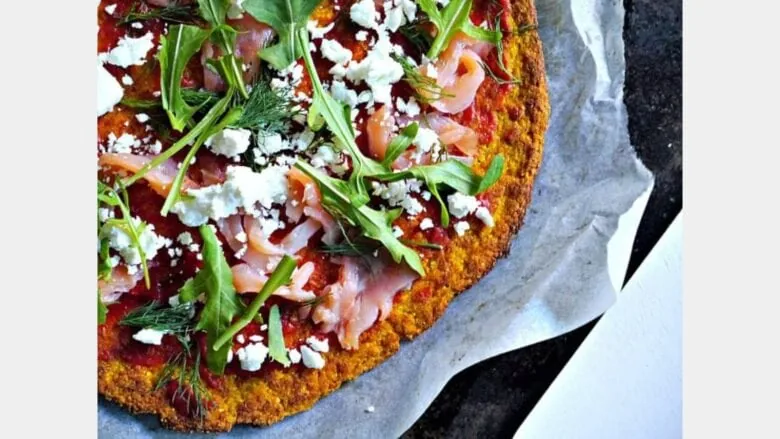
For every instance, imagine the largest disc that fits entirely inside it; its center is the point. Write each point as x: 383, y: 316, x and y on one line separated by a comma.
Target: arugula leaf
x: 215, y: 12
x: 451, y: 173
x: 102, y: 310
x: 222, y: 303
x: 275, y: 337
x: 336, y: 116
x: 286, y: 17
x: 280, y: 277
x: 337, y: 196
x: 398, y: 145
x: 190, y: 95
x: 182, y: 43
x: 230, y: 117
x: 452, y: 19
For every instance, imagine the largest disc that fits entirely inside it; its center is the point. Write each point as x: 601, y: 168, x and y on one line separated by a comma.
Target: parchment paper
x: 555, y: 278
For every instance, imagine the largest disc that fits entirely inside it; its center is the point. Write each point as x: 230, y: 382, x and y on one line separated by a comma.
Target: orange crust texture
x: 521, y: 122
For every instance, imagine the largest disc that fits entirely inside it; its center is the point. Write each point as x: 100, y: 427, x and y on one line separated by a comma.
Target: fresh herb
x: 426, y: 89
x: 224, y: 36
x: 337, y: 198
x: 453, y: 18
x: 102, y: 309
x: 172, y: 13
x: 423, y: 244
x: 266, y: 109
x: 398, y: 145
x: 177, y: 47
x: 451, y: 173
x: 104, y: 259
x: 417, y: 35
x: 127, y: 224
x: 279, y: 277
x: 287, y: 18
x: 276, y: 347
x: 196, y: 98
x: 174, y: 320
x: 222, y: 303
x: 337, y: 118
x: 350, y: 248
x: 187, y: 378
x: 230, y: 117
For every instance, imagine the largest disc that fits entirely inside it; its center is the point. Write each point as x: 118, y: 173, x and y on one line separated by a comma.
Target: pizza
x: 288, y: 189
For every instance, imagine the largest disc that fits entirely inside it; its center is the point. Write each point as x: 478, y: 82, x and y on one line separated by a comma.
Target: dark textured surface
x: 492, y: 398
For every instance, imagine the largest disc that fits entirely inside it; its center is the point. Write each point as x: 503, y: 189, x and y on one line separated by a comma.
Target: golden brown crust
x: 521, y: 124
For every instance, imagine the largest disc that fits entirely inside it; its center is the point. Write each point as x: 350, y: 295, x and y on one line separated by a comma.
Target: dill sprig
x: 173, y: 13
x: 422, y: 244
x: 175, y: 320
x: 500, y: 55
x: 266, y: 109
x: 417, y: 35
x: 426, y: 89
x: 187, y: 379
x: 107, y: 195
x: 349, y: 247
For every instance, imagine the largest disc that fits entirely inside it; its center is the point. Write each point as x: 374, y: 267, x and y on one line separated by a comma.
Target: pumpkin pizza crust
x: 521, y: 122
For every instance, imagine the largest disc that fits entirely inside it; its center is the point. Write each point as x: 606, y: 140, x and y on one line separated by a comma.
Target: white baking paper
x: 556, y: 277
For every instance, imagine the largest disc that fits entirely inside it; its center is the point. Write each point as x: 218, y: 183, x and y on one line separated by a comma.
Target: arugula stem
x: 280, y: 277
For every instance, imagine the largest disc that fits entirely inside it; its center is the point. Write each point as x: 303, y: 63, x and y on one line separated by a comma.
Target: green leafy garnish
x: 182, y: 43
x: 451, y: 173
x: 104, y: 259
x: 173, y: 13
x: 337, y: 118
x: 267, y: 109
x: 417, y: 35
x: 102, y: 309
x: 398, y: 145
x: 196, y: 98
x: 276, y: 347
x: 453, y: 18
x: 426, y: 89
x: 279, y: 277
x: 187, y: 377
x: 230, y: 117
x: 286, y: 17
x: 224, y: 36
x: 174, y: 320
x: 337, y: 198
x: 222, y: 303
x: 133, y: 229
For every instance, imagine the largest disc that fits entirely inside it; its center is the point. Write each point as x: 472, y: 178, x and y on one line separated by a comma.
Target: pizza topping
x: 316, y: 186
x: 109, y: 91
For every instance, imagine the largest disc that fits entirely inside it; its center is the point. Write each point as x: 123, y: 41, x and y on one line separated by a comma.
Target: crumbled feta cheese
x: 483, y: 214
x: 230, y: 355
x: 342, y: 93
x: 412, y: 206
x: 271, y: 143
x: 425, y: 195
x: 109, y: 91
x: 461, y: 227
x: 142, y: 117
x: 240, y: 338
x: 252, y: 356
x: 364, y: 13
x: 410, y: 9
x: 411, y: 108
x: 361, y: 35
x: 235, y: 9
x: 127, y: 80
x: 174, y: 300
x: 137, y: 25
x: 426, y: 224
x: 241, y: 188
x: 461, y: 205
x: 318, y: 32
x: 378, y: 69
x: 397, y: 232
x: 295, y: 356
x: 149, y: 242
x: 430, y: 71
x: 229, y: 142
x: 149, y: 336
x: 131, y: 51
x: 394, y: 17
x: 184, y: 238
x: 334, y: 51
x: 110, y: 9
x: 317, y: 344
x: 324, y: 156
x: 338, y: 71
x: 311, y: 358
x: 104, y: 214
x: 123, y: 144
x: 425, y: 140
x: 255, y: 338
